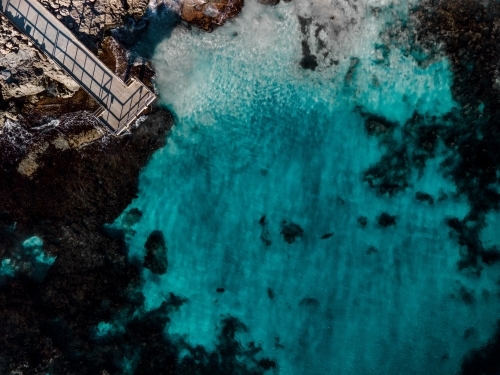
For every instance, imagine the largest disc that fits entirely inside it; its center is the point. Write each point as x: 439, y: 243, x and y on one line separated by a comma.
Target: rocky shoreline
x: 62, y: 178
x: 66, y: 202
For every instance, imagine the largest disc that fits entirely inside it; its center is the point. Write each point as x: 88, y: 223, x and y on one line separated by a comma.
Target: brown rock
x: 207, y: 15
x: 114, y: 56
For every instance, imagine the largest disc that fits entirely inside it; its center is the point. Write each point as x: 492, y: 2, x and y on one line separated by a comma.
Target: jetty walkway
x: 121, y: 103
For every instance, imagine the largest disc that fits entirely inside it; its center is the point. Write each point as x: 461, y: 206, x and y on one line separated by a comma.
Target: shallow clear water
x: 256, y: 135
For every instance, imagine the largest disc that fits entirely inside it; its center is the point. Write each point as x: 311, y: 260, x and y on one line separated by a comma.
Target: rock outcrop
x: 68, y: 189
x: 206, y: 14
x: 33, y: 89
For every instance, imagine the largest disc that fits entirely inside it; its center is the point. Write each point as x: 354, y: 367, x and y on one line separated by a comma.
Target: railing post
x: 55, y: 43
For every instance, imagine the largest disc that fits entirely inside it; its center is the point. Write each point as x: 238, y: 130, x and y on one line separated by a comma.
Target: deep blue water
x: 258, y: 142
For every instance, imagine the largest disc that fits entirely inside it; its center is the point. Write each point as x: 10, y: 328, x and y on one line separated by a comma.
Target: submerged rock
x: 269, y: 2
x: 466, y: 295
x: 483, y: 360
x: 362, y: 221
x: 291, y: 231
x: 265, y: 235
x: 385, y: 220
x: 327, y: 235
x: 391, y: 173
x: 424, y: 197
x: 309, y: 60
x: 156, y: 253
x: 270, y: 293
x: 262, y: 220
x: 131, y: 217
x: 378, y: 125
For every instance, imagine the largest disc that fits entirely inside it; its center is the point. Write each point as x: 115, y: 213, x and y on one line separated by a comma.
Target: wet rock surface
x: 66, y: 201
x: 269, y: 2
x: 207, y: 15
x: 156, y: 253
x: 265, y: 235
x: 424, y: 197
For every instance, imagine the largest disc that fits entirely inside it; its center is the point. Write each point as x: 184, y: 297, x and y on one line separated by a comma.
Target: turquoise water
x: 258, y: 141
x: 29, y: 260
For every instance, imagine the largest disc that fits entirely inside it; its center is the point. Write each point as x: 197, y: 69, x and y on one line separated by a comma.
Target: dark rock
x: 464, y: 30
x: 265, y: 235
x: 156, y: 253
x: 363, y: 221
x: 466, y: 295
x: 262, y: 220
x: 468, y: 333
x: 485, y: 359
x: 267, y: 364
x: 385, y: 220
x: 270, y: 293
x: 352, y: 69
x: 424, y: 197
x: 291, y: 231
x: 220, y: 290
x: 309, y: 60
x: 66, y: 203
x: 391, y: 174
x: 132, y: 216
x: 377, y: 125
x: 269, y: 2
x: 473, y: 250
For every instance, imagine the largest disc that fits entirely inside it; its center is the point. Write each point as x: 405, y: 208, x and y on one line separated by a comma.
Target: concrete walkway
x: 121, y: 103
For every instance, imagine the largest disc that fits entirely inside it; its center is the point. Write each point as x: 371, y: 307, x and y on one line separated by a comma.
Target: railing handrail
x: 61, y: 30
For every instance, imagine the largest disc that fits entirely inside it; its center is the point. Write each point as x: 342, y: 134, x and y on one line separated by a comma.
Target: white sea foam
x: 189, y: 63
